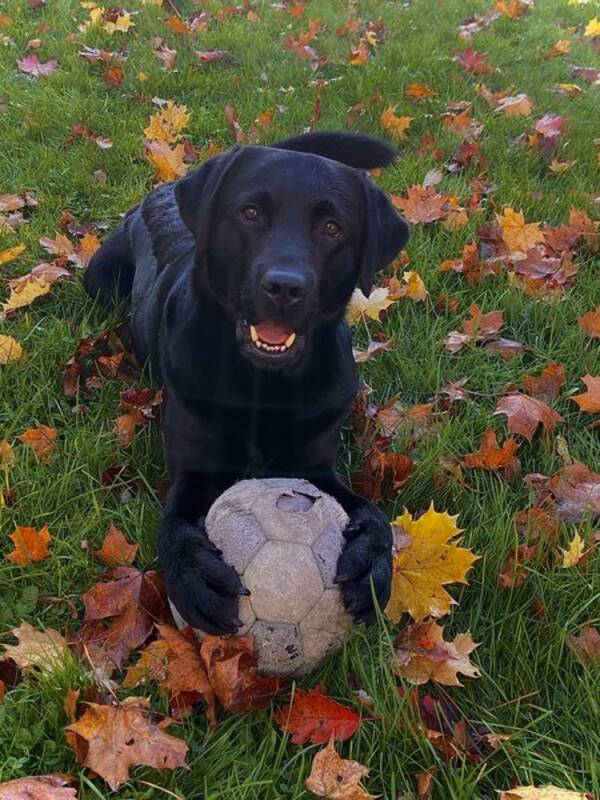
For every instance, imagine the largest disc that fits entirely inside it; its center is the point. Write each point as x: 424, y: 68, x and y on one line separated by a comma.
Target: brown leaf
x: 589, y: 401
x: 590, y: 323
x: 41, y: 440
x: 493, y: 458
x: 313, y: 717
x: 547, y: 385
x: 472, y: 61
x: 44, y: 650
x: 525, y: 414
x: 186, y: 678
x: 336, y: 778
x: 110, y: 739
x: 585, y: 646
x: 30, y: 545
x: 421, y: 654
x: 151, y: 665
x: 231, y: 667
x: 116, y: 549
x: 361, y: 356
x: 382, y: 474
x: 574, y: 492
x: 422, y: 205
x: 40, y: 787
x: 513, y: 573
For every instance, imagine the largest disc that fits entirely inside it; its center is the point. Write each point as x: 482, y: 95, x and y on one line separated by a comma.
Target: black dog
x: 238, y: 276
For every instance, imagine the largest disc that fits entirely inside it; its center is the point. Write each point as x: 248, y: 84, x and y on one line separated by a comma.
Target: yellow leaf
x: 422, y: 654
x: 572, y: 555
x: 11, y: 253
x: 168, y: 124
x: 562, y: 47
x: 395, y: 126
x: 10, y: 349
x: 414, y: 289
x: 167, y: 163
x: 518, y: 235
x: 424, y: 561
x: 7, y: 456
x: 518, y: 106
x: 142, y: 76
x: 371, y: 306
x: 561, y: 166
x: 121, y: 25
x: 541, y: 793
x: 593, y: 27
x: 30, y: 292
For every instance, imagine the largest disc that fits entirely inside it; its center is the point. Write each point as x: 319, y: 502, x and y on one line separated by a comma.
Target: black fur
x: 278, y: 235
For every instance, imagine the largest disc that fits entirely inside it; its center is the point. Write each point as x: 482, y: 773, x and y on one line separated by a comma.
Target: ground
x: 531, y: 687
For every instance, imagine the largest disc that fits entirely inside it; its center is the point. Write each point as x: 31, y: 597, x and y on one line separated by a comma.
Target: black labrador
x: 237, y: 277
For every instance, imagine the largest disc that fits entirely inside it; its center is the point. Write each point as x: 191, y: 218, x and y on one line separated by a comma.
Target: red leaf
x: 312, y: 717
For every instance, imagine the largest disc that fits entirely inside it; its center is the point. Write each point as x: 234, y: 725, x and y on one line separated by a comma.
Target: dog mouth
x: 270, y: 344
x: 271, y: 337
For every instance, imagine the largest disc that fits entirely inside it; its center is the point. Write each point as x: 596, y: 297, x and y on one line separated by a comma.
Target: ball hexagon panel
x: 284, y: 582
x: 328, y: 614
x: 238, y: 535
x: 279, y: 647
x: 327, y: 549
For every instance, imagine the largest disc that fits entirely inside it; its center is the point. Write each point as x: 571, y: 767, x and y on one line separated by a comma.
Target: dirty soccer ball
x: 284, y: 538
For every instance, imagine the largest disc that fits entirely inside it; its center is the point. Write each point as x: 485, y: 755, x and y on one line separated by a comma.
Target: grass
x: 531, y: 687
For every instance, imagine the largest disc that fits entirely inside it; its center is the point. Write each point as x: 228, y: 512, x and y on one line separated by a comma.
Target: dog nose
x: 285, y: 288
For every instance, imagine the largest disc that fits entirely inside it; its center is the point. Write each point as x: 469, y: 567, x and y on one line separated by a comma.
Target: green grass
x: 531, y: 687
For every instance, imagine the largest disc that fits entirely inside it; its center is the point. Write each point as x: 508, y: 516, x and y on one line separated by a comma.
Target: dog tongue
x: 271, y: 333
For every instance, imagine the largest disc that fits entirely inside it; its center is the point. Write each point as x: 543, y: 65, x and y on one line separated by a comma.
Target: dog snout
x: 284, y: 288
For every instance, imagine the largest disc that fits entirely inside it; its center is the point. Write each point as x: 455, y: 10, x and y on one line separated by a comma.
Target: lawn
x: 531, y: 687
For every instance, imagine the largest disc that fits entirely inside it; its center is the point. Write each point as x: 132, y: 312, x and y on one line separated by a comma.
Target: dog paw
x: 365, y: 565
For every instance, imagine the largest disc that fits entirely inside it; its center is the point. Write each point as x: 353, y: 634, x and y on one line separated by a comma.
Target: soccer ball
x: 284, y: 538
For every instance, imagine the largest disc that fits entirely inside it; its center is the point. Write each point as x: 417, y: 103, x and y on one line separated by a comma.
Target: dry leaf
x: 518, y: 235
x: 421, y: 654
x: 589, y: 401
x: 11, y: 253
x: 30, y: 545
x: 425, y: 560
x: 393, y: 125
x: 360, y: 306
x: 116, y: 549
x: 422, y: 205
x: 585, y: 646
x: 168, y: 164
x: 590, y: 323
x: 542, y: 793
x: 44, y: 650
x: 10, y: 349
x: 573, y: 554
x: 313, y: 717
x: 548, y: 384
x: 336, y: 778
x: 25, y: 297
x: 40, y: 787
x: 524, y: 414
x: 493, y: 458
x: 41, y: 440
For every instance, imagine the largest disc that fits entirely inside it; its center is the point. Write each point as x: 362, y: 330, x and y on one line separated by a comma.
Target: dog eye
x: 333, y: 229
x: 251, y: 213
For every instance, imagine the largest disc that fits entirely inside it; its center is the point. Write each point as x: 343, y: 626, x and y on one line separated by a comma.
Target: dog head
x: 285, y: 233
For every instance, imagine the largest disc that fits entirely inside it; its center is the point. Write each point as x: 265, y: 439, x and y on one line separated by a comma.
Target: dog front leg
x: 202, y: 587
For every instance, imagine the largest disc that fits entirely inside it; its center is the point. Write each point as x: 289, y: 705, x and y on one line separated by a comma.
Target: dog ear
x: 386, y: 233
x: 196, y: 193
x: 353, y: 149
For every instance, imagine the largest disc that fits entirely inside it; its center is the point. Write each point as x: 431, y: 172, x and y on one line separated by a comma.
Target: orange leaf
x: 589, y: 401
x: 41, y: 440
x: 30, y: 545
x: 422, y: 205
x: 421, y: 654
x: 112, y: 739
x: 590, y: 323
x: 336, y: 778
x: 313, y: 717
x: 116, y: 549
x: 40, y: 787
x: 518, y: 235
x: 494, y: 458
x: 393, y: 125
x: 586, y: 646
x: 525, y: 414
x: 548, y: 384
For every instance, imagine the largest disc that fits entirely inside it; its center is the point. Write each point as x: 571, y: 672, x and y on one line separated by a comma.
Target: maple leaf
x: 31, y: 65
x: 412, y: 287
x: 11, y: 253
x: 560, y: 48
x: 116, y: 549
x: 590, y: 323
x: 575, y: 491
x: 10, y: 349
x: 589, y: 401
x: 524, y: 414
x: 574, y: 553
x: 542, y: 793
x: 361, y: 356
x: 110, y: 739
x: 231, y: 666
x: 44, y: 650
x: 585, y: 646
x: 421, y: 654
x: 140, y: 405
x: 382, y: 474
x: 30, y: 545
x: 45, y: 273
x: 131, y: 601
x: 417, y: 91
x: 513, y: 573
x: 25, y: 297
x: 494, y: 458
x: 168, y: 163
x: 360, y: 306
x: 185, y: 677
x: 41, y: 440
x: 168, y: 124
x: 336, y: 778
x: 313, y: 717
x: 422, y: 205
x: 478, y: 328
x: 593, y: 28
x: 472, y: 61
x: 518, y: 235
x: 151, y: 665
x: 518, y: 106
x: 547, y: 385
x: 425, y: 560
x: 394, y: 125
x: 40, y: 787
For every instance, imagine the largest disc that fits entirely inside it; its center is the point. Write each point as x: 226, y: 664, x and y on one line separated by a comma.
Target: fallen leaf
x: 514, y: 574
x: 585, y: 646
x: 493, y: 458
x: 422, y: 205
x: 361, y: 356
x: 382, y: 474
x: 542, y: 793
x: 593, y: 28
x: 25, y: 297
x: 31, y: 65
x: 393, y: 125
x: 590, y: 323
x: 313, y: 717
x: 589, y: 401
x: 518, y: 235
x: 360, y: 306
x: 151, y: 665
x: 421, y: 654
x: 110, y: 739
x: 425, y: 559
x: 41, y: 440
x: 417, y: 91
x: 546, y: 385
x: 574, y: 491
x: 116, y: 549
x: 40, y: 787
x: 518, y: 106
x: 524, y: 414
x: 7, y: 455
x: 185, y: 678
x: 10, y: 349
x: 44, y: 650
x: 30, y: 545
x: 336, y: 778
x: 11, y: 253
x: 573, y: 554
x: 472, y: 61
x: 168, y: 163
x: 139, y: 405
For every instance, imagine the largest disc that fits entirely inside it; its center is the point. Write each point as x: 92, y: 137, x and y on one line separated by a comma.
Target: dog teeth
x: 253, y: 334
x: 290, y: 340
x: 271, y: 348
